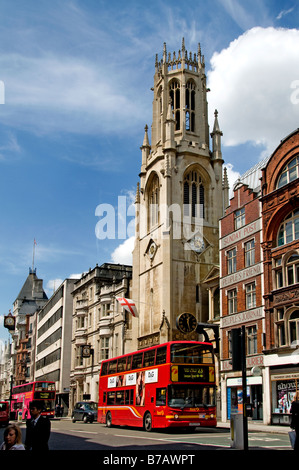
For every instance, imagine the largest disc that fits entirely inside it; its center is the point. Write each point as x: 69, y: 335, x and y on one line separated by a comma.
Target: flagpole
x: 34, y: 243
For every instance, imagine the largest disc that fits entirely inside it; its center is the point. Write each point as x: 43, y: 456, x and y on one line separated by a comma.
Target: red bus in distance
x: 23, y: 394
x: 169, y: 385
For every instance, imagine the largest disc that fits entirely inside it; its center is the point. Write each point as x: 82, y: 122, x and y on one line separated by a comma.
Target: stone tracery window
x: 190, y: 106
x: 175, y: 96
x: 194, y: 195
x: 153, y: 202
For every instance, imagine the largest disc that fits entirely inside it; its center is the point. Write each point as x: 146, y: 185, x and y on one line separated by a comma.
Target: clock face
x: 186, y: 322
x: 197, y: 244
x: 152, y: 250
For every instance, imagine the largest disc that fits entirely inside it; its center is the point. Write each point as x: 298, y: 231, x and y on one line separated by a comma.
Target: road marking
x: 82, y: 431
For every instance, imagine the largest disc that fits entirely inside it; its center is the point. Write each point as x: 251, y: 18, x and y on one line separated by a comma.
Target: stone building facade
x: 30, y: 298
x: 52, y: 344
x: 100, y: 326
x: 241, y: 293
x: 180, y: 198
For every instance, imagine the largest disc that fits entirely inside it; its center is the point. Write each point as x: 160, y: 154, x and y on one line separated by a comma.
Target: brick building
x: 241, y: 292
x: 280, y: 216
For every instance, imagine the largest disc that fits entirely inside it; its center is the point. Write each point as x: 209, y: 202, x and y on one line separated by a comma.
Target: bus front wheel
x: 148, y: 425
x: 108, y: 420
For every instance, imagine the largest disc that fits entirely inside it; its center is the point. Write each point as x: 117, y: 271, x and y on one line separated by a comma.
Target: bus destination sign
x: 184, y: 373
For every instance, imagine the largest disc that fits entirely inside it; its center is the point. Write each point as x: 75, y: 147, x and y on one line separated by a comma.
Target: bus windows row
x: 178, y: 396
x: 191, y: 354
x: 152, y: 357
x: 128, y: 397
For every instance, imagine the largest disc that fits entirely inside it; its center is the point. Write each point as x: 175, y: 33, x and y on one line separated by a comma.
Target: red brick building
x: 280, y: 216
x: 259, y: 285
x: 241, y: 287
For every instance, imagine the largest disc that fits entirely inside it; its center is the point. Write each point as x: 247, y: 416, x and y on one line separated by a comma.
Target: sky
x: 75, y: 96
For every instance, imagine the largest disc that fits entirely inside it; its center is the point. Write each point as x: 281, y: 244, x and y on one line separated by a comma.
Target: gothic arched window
x: 190, y: 106
x: 174, y: 93
x: 194, y: 195
x: 289, y: 173
x: 154, y: 201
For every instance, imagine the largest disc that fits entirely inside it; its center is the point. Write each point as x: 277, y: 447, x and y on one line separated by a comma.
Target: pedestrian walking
x: 295, y: 419
x: 38, y: 428
x: 12, y: 438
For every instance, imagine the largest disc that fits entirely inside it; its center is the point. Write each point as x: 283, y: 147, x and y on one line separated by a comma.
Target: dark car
x: 86, y: 411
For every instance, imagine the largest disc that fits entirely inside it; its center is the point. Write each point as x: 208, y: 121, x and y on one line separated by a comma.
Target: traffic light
x: 236, y: 348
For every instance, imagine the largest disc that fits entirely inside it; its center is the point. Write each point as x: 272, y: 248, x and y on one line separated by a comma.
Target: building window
x: 232, y: 301
x: 190, y: 106
x: 249, y: 248
x: 294, y: 327
x: 280, y: 325
x: 250, y: 292
x: 278, y: 273
x: 194, y: 196
x: 106, y: 310
x: 104, y: 348
x: 292, y: 270
x: 239, y: 218
x: 232, y: 261
x: 174, y: 93
x: 289, y: 173
x: 289, y: 229
x: 252, y: 340
x: 153, y: 202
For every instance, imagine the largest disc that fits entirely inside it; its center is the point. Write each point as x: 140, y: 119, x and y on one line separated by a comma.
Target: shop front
x: 254, y: 394
x: 284, y: 383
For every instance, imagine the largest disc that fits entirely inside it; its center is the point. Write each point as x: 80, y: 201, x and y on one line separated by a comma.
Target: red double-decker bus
x: 170, y: 385
x: 23, y: 394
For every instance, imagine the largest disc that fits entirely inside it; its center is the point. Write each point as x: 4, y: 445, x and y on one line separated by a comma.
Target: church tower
x: 179, y: 201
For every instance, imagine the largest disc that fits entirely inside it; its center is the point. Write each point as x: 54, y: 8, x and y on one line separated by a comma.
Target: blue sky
x: 76, y: 78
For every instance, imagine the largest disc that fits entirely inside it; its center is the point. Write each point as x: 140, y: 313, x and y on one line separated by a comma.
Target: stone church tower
x: 179, y: 201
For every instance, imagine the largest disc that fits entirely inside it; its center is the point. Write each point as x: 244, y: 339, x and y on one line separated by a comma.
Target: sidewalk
x: 259, y: 426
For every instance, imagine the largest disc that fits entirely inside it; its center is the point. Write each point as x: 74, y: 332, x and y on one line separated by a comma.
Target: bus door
x: 160, y: 408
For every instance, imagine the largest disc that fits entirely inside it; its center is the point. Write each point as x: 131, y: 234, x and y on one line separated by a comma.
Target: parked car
x: 86, y: 411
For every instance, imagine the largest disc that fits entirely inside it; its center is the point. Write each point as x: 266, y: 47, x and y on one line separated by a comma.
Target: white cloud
x: 52, y: 93
x: 251, y: 84
x: 232, y: 176
x: 123, y: 253
x: 284, y: 12
x: 52, y: 285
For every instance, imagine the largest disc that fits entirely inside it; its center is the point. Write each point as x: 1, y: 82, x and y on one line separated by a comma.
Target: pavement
x: 258, y: 426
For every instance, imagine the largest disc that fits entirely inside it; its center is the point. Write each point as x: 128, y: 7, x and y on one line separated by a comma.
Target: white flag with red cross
x: 129, y: 305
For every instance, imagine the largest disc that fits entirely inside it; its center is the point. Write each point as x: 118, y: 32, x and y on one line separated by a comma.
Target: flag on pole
x: 129, y: 305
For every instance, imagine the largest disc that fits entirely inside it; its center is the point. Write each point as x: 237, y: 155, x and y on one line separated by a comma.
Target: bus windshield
x: 183, y: 396
x: 191, y: 354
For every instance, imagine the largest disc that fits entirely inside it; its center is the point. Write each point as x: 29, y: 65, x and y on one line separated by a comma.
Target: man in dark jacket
x: 38, y: 428
x: 295, y: 418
